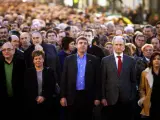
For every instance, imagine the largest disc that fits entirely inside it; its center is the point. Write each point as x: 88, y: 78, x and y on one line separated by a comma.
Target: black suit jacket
x: 118, y: 88
x: 69, y: 77
x: 31, y: 85
x: 17, y: 78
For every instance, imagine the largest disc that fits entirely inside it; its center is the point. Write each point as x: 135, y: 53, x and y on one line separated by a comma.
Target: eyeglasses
x: 148, y: 50
x: 7, y: 49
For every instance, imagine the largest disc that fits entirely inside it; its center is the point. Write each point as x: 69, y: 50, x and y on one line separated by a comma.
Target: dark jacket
x: 19, y: 67
x: 118, y: 88
x: 31, y: 85
x: 69, y: 77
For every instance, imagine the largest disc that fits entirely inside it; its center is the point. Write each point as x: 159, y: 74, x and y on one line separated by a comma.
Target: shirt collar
x: 147, y: 59
x: 82, y: 57
x: 115, y: 55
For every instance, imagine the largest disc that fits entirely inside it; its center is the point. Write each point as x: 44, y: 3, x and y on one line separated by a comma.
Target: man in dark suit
x: 118, y: 83
x: 80, y: 84
x: 12, y: 69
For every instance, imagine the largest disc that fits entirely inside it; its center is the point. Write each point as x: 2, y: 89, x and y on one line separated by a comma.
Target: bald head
x: 15, y: 41
x: 8, y: 50
x: 118, y: 38
x: 36, y: 38
x: 24, y: 37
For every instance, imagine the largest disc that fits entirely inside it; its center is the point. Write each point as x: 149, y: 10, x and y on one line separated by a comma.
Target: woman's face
x: 71, y: 46
x: 156, y: 61
x: 109, y: 48
x: 38, y: 61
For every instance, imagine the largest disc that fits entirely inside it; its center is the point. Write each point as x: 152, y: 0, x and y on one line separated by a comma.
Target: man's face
x: 155, y: 43
x: 15, y: 41
x: 140, y: 41
x: 148, y: 32
x: 24, y: 39
x: 111, y: 30
x: 118, y: 45
x: 8, y: 50
x: 20, y: 19
x: 36, y: 38
x: 14, y: 26
x: 3, y: 34
x: 148, y: 51
x: 82, y: 46
x: 61, y: 35
x: 51, y: 37
x: 89, y: 36
x: 158, y: 29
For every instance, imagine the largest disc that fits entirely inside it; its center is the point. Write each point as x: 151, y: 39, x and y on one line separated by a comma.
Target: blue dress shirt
x: 81, y: 63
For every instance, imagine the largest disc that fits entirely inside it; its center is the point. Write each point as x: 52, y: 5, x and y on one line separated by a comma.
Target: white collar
x: 147, y: 59
x: 115, y: 55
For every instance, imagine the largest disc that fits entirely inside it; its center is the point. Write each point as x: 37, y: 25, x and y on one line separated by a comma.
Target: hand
x: 96, y: 102
x: 140, y: 102
x: 104, y: 102
x: 40, y: 99
x: 63, y: 102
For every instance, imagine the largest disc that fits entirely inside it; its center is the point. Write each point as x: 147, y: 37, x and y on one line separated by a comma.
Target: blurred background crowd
x: 54, y: 26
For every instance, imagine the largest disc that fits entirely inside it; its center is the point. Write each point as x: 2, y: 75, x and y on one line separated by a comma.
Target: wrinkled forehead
x: 36, y: 34
x: 88, y: 33
x: 4, y: 29
x: 118, y: 40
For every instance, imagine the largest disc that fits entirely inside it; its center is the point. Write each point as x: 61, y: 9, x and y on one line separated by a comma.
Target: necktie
x: 119, y: 65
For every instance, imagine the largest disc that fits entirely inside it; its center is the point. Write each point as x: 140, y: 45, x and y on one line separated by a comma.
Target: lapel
x: 2, y: 72
x: 44, y: 76
x: 149, y: 76
x: 124, y: 64
x: 113, y: 62
x: 75, y: 68
x: 34, y: 80
x: 87, y: 69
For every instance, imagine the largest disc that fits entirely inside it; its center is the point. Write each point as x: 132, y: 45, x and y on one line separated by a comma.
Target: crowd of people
x: 58, y: 63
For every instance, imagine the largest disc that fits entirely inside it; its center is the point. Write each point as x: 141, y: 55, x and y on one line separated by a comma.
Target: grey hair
x: 118, y: 37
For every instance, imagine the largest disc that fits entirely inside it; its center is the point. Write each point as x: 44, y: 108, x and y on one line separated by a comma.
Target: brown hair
x: 51, y: 31
x: 152, y: 58
x: 36, y: 53
x: 81, y: 38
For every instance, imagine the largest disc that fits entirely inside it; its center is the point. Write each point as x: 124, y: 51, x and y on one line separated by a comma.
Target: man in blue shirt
x: 80, y: 84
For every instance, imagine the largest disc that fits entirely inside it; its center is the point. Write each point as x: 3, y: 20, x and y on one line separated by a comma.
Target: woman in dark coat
x: 68, y: 45
x: 39, y: 85
x: 155, y: 97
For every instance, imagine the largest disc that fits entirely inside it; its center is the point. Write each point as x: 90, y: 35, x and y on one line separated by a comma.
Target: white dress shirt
x: 116, y: 58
